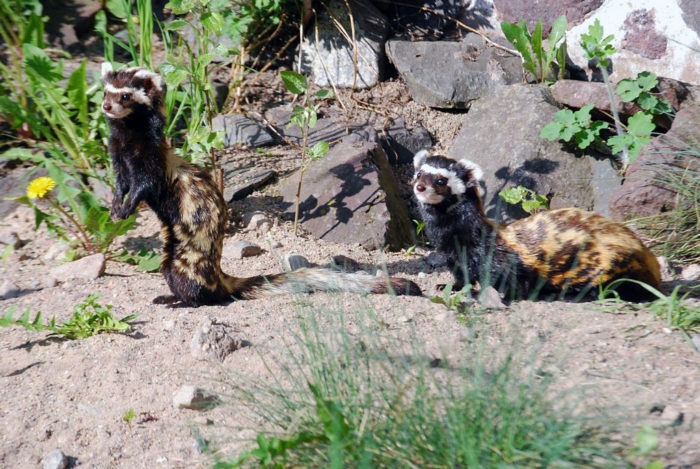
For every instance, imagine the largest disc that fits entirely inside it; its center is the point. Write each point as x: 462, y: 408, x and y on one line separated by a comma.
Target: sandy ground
x: 73, y: 395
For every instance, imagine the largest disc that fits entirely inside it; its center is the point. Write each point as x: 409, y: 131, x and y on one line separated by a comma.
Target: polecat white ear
x: 106, y: 68
x: 477, y: 172
x: 419, y: 158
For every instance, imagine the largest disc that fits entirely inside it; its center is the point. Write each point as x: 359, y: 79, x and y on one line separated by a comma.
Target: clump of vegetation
x: 357, y: 402
x: 73, y: 214
x: 538, y: 58
x: 531, y: 201
x: 578, y: 127
x: 89, y: 318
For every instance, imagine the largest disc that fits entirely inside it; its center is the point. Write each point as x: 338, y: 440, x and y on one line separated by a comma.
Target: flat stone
x: 251, y: 182
x: 241, y: 130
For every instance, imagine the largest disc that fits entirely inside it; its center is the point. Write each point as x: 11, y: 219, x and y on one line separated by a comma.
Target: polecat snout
x: 558, y: 251
x: 190, y: 207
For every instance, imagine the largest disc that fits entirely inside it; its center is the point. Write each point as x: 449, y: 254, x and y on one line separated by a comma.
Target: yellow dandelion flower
x: 39, y: 187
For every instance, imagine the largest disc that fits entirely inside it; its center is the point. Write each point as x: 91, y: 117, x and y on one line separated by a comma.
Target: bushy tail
x: 309, y: 280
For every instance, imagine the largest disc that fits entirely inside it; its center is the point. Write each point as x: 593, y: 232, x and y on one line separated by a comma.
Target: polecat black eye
x: 125, y: 97
x: 441, y: 182
x: 418, y: 174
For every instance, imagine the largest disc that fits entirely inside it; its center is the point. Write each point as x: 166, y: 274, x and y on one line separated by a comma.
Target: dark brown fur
x: 190, y: 206
x: 558, y: 251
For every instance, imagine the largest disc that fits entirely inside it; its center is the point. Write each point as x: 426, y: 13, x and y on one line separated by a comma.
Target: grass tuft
x: 365, y: 400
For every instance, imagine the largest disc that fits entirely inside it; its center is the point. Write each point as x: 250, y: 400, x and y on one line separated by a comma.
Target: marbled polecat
x: 558, y: 251
x: 190, y: 207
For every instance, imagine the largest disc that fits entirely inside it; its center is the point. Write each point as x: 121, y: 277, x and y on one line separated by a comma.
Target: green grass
x: 365, y: 400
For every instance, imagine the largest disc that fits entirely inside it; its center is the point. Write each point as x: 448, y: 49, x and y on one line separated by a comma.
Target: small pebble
x: 55, y: 460
x: 295, y: 262
x: 9, y: 289
x: 86, y: 268
x: 192, y: 397
x: 240, y: 249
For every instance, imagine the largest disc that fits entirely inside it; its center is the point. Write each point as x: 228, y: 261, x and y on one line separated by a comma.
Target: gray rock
x: 241, y: 130
x: 691, y: 273
x: 351, y: 196
x: 296, y: 261
x: 329, y: 56
x: 502, y: 135
x: 401, y: 143
x: 215, y: 340
x: 328, y: 128
x: 452, y: 74
x: 240, y: 249
x: 8, y: 289
x: 648, y: 35
x: 87, y: 268
x: 10, y: 238
x: 194, y: 398
x: 55, y: 460
x: 251, y: 181
x: 696, y: 342
x: 257, y: 221
x: 490, y: 298
x: 435, y: 19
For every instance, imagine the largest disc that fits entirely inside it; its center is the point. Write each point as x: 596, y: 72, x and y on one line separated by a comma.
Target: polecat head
x: 131, y: 90
x: 438, y: 178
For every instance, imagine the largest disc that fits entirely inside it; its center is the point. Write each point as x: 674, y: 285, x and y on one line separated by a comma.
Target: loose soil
x: 74, y: 395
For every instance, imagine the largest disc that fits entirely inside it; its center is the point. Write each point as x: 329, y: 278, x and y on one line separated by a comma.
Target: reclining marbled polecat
x: 190, y: 207
x: 567, y: 250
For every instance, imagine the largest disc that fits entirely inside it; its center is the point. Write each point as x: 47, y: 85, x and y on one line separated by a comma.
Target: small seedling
x: 129, y: 416
x: 531, y: 200
x: 456, y: 302
x: 304, y: 116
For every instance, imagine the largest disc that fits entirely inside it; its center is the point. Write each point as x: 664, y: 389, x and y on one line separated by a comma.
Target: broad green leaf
x: 640, y: 124
x: 39, y: 66
x: 34, y: 31
x: 174, y: 25
x: 294, y: 82
x: 212, y: 22
x: 324, y: 94
x: 628, y: 90
x: 119, y: 8
x: 319, y: 150
x: 646, y: 440
x: 558, y: 31
x: 551, y: 131
x: 536, y: 44
x: 519, y: 37
x: 647, y: 101
x: 77, y: 92
x: 647, y: 80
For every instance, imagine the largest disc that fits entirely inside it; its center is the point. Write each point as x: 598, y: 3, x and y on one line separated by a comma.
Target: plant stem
x: 616, y: 115
x: 82, y: 235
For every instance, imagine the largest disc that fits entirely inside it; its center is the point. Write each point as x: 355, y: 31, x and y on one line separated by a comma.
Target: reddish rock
x: 641, y: 36
x: 545, y: 10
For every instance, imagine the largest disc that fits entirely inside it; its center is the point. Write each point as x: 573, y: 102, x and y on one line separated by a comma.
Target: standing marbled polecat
x: 190, y: 207
x: 567, y: 250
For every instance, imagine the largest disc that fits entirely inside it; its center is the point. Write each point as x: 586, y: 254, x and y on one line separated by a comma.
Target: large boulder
x: 329, y: 54
x: 659, y: 36
x: 351, y: 196
x: 502, y: 135
x: 453, y: 74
